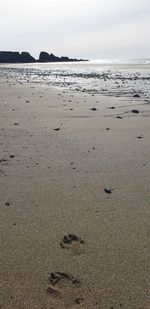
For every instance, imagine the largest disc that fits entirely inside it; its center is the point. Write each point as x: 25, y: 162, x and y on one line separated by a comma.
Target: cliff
x: 25, y: 57
x: 45, y: 57
x: 15, y: 57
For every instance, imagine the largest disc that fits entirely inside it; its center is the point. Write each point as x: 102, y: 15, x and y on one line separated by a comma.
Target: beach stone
x: 108, y: 191
x: 70, y: 238
x: 56, y: 277
x: 57, y: 129
x: 7, y: 204
x: 136, y: 95
x: 135, y: 111
x: 93, y: 109
x: 140, y: 136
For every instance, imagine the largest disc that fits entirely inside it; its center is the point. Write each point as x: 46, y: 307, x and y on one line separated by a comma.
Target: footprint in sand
x: 73, y: 244
x: 65, y: 289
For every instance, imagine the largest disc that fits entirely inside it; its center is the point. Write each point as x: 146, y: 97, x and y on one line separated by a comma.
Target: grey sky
x: 77, y: 28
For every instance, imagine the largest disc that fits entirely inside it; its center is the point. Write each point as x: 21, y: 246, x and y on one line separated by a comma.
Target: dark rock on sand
x: 135, y: 111
x: 56, y: 129
x: 93, y: 109
x: 7, y: 204
x: 136, y: 95
x: 108, y: 191
x: 140, y: 136
x: 71, y: 238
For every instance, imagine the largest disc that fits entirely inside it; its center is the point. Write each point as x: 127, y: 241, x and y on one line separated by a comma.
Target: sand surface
x: 52, y: 184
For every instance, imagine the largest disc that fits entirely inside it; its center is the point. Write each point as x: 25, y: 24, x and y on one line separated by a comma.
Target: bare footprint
x: 65, y: 289
x: 72, y: 243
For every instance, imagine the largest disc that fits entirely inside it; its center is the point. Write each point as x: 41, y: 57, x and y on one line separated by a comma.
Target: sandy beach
x: 74, y: 199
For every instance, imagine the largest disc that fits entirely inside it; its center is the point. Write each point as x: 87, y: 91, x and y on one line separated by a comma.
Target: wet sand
x: 66, y: 242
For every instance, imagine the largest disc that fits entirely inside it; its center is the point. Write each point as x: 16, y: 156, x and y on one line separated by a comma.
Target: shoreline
x: 90, y: 78
x: 57, y: 157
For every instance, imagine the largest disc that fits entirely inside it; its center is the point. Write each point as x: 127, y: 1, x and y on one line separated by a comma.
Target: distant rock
x: 25, y: 57
x: 53, y: 58
x: 45, y: 57
x: 15, y: 57
x: 9, y: 57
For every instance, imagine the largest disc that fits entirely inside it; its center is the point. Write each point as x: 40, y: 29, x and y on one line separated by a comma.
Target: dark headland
x: 25, y: 57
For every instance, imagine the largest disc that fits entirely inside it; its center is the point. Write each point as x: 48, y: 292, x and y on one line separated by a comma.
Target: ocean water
x: 111, y: 77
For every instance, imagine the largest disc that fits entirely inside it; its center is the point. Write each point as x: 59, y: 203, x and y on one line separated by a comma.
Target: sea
x: 109, y: 77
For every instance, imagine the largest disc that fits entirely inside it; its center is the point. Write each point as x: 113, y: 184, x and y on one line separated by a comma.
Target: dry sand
x: 52, y: 183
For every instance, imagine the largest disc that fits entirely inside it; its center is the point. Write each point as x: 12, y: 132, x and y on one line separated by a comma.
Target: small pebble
x: 107, y: 190
x: 135, y: 111
x: 56, y: 129
x: 136, y: 95
x: 93, y: 109
x: 140, y: 136
x: 7, y: 204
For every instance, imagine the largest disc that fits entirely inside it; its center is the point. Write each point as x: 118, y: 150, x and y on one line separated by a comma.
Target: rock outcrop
x: 45, y: 57
x: 15, y: 57
x: 25, y: 57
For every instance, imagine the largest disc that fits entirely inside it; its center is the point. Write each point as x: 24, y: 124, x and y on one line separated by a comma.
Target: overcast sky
x: 92, y: 29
